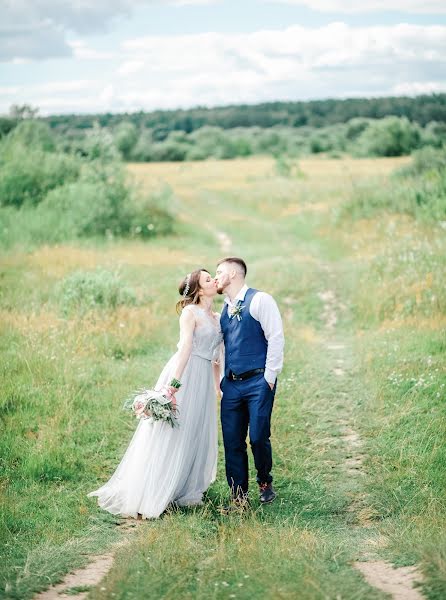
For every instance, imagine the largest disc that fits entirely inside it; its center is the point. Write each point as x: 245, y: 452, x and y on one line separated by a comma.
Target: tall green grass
x: 418, y: 190
x: 398, y: 308
x: 66, y: 372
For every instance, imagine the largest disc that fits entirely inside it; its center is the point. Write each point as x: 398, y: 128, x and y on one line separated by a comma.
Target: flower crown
x: 187, y: 286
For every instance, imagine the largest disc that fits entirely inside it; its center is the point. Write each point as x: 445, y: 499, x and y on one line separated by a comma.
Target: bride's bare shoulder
x: 188, y: 312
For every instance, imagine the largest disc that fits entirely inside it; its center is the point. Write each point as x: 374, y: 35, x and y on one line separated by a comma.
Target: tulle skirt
x: 164, y: 464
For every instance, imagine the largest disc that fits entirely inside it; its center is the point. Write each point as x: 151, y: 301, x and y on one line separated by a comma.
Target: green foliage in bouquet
x: 152, y: 405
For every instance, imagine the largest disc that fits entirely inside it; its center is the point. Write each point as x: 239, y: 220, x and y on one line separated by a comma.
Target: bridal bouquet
x: 153, y: 405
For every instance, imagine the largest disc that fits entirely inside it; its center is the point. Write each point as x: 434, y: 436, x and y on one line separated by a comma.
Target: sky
x: 95, y: 56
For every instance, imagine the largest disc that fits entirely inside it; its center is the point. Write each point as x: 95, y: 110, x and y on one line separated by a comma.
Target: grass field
x: 359, y: 418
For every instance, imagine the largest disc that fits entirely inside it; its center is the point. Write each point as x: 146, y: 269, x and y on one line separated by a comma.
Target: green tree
x: 99, y: 145
x: 33, y: 134
x: 391, y: 136
x: 23, y: 111
x: 125, y: 137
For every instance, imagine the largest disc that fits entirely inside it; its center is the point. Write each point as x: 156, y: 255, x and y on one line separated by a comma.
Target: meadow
x: 359, y: 417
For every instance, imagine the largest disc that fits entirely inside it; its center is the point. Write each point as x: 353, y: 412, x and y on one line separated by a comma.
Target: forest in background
x: 315, y: 113
x: 359, y: 127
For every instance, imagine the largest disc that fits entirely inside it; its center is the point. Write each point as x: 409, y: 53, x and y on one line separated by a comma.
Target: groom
x: 253, y: 337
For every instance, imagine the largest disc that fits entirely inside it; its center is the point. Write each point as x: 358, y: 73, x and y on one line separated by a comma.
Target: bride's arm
x: 217, y: 377
x: 187, y: 326
x: 218, y: 363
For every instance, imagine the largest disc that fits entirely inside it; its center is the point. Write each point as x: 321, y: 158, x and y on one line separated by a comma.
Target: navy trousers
x: 246, y: 404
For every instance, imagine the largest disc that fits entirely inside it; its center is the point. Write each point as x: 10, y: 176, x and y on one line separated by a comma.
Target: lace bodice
x: 207, y: 336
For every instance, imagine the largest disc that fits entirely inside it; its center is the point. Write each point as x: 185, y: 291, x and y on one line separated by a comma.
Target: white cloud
x: 82, y: 51
x: 367, y: 6
x: 415, y: 88
x: 62, y: 87
x: 130, y: 67
x: 335, y: 60
x: 55, y: 90
x: 36, y: 29
x: 278, y: 55
x: 190, y: 2
x: 38, y: 41
x: 50, y: 87
x: 297, y: 62
x: 9, y: 90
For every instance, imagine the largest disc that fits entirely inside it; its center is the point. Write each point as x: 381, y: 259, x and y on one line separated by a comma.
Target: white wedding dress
x: 164, y: 464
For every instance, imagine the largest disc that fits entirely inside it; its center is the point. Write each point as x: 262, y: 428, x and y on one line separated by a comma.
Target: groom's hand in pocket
x: 271, y: 385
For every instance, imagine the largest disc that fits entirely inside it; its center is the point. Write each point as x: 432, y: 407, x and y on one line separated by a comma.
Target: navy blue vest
x: 245, y: 342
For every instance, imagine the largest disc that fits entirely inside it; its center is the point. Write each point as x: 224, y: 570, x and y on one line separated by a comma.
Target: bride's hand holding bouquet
x: 156, y: 405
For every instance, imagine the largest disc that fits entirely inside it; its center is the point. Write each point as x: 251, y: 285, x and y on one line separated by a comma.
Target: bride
x: 164, y: 464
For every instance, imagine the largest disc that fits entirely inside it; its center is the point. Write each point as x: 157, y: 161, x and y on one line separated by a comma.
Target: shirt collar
x: 239, y: 298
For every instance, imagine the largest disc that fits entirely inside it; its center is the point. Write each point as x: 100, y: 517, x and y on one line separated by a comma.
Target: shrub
x: 418, y: 190
x: 361, y: 136
x: 79, y: 209
x: 355, y: 127
x: 169, y: 151
x: 150, y: 215
x: 142, y: 151
x: 426, y: 160
x: 98, y: 144
x: 63, y: 197
x: 316, y: 144
x: 434, y: 134
x: 213, y: 142
x: 97, y: 208
x: 272, y: 142
x: 33, y: 134
x: 27, y: 175
x: 7, y: 124
x: 391, y: 136
x: 85, y: 290
x: 125, y: 138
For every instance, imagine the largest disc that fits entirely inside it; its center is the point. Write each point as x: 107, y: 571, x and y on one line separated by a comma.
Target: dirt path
x: 78, y: 583
x: 399, y: 582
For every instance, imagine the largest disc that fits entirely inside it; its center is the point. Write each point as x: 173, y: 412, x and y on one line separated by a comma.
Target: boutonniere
x: 236, y: 311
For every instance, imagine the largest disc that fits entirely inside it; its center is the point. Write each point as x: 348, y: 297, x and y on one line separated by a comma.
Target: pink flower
x: 138, y: 408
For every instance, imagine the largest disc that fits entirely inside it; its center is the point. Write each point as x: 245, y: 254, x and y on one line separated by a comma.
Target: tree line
x: 316, y: 113
x: 355, y: 127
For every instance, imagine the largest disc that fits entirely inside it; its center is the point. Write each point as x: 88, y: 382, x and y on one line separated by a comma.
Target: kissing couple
x: 163, y: 464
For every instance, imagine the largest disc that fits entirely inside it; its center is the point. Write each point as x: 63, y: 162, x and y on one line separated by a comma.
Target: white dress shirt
x: 263, y: 308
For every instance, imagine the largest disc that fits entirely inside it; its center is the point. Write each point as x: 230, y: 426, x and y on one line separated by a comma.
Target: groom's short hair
x: 235, y: 260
